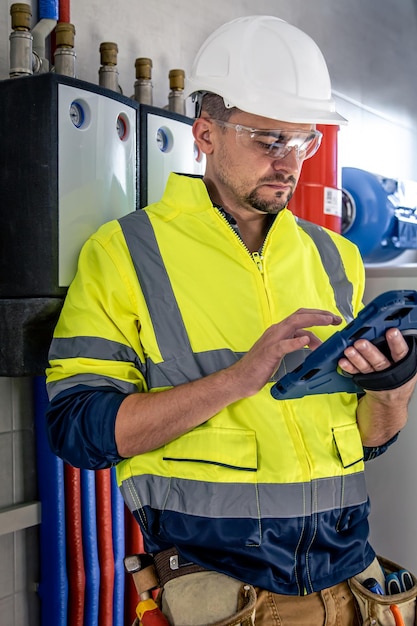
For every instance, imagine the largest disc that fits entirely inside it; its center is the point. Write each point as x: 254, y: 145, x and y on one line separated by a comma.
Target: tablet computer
x: 319, y: 373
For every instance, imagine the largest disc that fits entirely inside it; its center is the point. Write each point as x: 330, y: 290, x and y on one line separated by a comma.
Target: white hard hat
x: 265, y: 66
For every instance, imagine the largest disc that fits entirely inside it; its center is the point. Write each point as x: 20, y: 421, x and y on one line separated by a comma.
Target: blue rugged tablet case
x: 319, y: 373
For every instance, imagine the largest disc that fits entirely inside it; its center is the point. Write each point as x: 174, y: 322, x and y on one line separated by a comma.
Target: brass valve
x: 143, y: 67
x: 108, y: 53
x: 108, y: 73
x: 64, y: 35
x: 176, y: 79
x: 21, y: 16
x: 176, y: 100
x: 143, y: 83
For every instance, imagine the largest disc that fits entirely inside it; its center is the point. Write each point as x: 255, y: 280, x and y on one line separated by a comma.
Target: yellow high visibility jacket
x: 271, y: 492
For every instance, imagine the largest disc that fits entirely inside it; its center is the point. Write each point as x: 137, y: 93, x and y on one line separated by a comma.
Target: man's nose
x: 292, y: 161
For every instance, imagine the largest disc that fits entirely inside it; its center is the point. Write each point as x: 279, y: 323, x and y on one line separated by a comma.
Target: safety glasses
x: 276, y: 143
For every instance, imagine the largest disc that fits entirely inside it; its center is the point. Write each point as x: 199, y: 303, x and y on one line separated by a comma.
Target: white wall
x: 370, y: 47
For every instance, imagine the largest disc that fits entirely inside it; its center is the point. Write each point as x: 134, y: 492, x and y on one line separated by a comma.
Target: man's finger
x: 397, y: 344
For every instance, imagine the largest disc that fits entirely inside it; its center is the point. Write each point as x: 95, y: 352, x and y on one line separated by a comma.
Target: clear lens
x: 276, y: 143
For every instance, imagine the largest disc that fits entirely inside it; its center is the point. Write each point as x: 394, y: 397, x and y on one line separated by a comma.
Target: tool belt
x: 389, y: 608
x: 190, y: 595
x: 169, y: 565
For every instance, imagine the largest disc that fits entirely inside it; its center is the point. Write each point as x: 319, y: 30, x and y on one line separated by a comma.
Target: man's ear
x: 202, y: 131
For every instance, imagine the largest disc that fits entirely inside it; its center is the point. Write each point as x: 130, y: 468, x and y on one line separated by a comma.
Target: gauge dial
x: 164, y: 139
x: 121, y: 126
x: 77, y: 114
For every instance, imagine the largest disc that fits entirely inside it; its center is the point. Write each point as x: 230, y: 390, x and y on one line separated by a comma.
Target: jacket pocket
x: 226, y: 448
x: 213, y: 477
x: 348, y: 444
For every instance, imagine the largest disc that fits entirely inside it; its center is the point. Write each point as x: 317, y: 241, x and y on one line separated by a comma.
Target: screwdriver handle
x: 392, y: 583
x: 406, y: 579
x: 149, y: 614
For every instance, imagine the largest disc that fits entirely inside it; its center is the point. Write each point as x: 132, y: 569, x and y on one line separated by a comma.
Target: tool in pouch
x: 377, y: 606
x: 142, y: 568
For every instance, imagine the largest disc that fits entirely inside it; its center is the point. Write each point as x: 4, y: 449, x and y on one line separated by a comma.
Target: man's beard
x: 275, y: 205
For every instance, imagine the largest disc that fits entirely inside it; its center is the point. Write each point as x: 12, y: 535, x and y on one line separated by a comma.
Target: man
x: 177, y: 321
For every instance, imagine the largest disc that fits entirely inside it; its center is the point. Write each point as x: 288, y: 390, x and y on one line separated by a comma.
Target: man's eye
x: 274, y: 145
x: 267, y: 144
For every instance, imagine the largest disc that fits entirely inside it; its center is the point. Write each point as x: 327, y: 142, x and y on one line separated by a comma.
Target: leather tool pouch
x: 208, y: 599
x: 380, y: 610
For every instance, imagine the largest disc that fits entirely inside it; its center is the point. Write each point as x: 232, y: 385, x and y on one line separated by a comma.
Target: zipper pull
x: 258, y: 260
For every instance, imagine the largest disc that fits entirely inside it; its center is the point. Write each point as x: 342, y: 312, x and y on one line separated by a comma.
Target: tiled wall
x: 19, y: 551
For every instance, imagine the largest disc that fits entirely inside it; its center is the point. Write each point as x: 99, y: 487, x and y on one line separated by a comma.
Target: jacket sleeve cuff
x: 80, y: 425
x: 373, y: 452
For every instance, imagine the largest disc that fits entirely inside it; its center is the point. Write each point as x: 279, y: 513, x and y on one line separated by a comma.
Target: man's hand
x: 380, y: 414
x: 363, y: 357
x: 259, y: 364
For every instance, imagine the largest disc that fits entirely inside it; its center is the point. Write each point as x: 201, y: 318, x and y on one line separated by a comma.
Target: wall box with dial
x: 68, y: 163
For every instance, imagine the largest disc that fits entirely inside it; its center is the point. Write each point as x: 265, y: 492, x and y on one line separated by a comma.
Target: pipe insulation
x: 53, y: 585
x: 105, y: 546
x: 91, y: 562
x: 48, y: 9
x: 118, y: 529
x: 64, y: 11
x: 75, y: 554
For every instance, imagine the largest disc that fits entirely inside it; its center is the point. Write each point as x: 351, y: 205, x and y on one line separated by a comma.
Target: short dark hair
x: 214, y: 105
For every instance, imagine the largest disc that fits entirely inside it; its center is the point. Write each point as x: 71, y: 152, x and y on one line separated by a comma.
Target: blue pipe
x: 53, y: 586
x: 118, y: 530
x: 48, y: 9
x: 90, y: 548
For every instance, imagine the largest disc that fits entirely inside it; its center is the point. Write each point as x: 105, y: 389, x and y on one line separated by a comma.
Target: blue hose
x: 53, y: 586
x: 92, y: 566
x: 48, y: 9
x: 118, y: 530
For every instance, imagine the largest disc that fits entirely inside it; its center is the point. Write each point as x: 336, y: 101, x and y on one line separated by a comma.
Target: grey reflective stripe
x: 91, y: 348
x: 157, y: 375
x: 332, y: 263
x: 173, y: 373
x: 90, y: 380
x: 168, y: 374
x: 166, y: 317
x: 249, y: 500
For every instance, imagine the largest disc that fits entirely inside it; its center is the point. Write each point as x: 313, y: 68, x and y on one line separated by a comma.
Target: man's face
x: 250, y: 170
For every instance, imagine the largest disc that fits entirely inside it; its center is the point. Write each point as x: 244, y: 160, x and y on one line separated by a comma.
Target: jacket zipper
x: 257, y: 257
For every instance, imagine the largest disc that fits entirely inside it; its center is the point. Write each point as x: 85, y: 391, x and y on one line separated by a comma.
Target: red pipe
x: 317, y: 197
x: 105, y: 546
x: 64, y: 11
x: 75, y: 555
